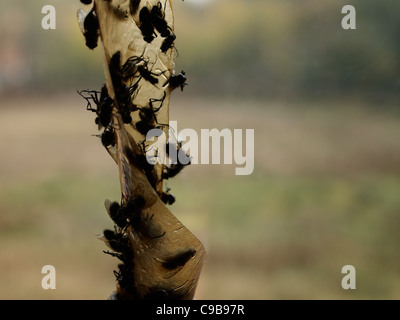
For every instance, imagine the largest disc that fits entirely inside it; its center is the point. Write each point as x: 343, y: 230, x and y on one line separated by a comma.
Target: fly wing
x: 81, y: 14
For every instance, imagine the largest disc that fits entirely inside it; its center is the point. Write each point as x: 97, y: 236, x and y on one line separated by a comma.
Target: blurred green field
x: 325, y: 193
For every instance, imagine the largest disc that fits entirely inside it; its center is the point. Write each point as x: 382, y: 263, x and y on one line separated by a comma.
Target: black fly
x: 108, y: 138
x: 116, y: 216
x: 148, y: 118
x: 146, y: 26
x: 148, y: 74
x: 104, y: 105
x: 167, y: 198
x: 125, y: 106
x: 104, y: 108
x: 127, y: 213
x: 86, y: 1
x: 155, y: 19
x: 130, y: 67
x: 132, y: 209
x: 158, y: 20
x: 91, y: 26
x: 167, y: 43
x: 116, y: 240
x: 176, y: 81
x: 123, y: 93
x: 126, y: 279
x: 175, y: 168
x: 139, y: 65
x: 115, y: 70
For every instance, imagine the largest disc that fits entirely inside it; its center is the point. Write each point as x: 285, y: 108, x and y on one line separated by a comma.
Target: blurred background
x: 325, y: 192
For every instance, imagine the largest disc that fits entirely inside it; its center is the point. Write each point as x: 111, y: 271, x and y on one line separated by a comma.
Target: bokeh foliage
x: 284, y: 49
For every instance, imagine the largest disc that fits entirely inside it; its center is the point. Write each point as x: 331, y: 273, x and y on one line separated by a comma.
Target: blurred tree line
x: 261, y: 48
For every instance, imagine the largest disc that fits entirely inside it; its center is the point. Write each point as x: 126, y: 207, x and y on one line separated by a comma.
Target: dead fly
x: 178, y: 159
x: 104, y: 109
x: 117, y: 241
x: 132, y: 209
x: 126, y: 281
x: 137, y: 66
x: 104, y: 105
x: 108, y: 138
x: 91, y: 29
x: 158, y: 20
x: 176, y: 81
x: 123, y: 93
x: 148, y: 118
x: 167, y: 198
x: 130, y: 67
x: 124, y: 96
x: 167, y: 43
x: 146, y: 26
x: 124, y: 214
x: 116, y: 72
x: 148, y: 74
x: 122, y: 250
x: 113, y: 209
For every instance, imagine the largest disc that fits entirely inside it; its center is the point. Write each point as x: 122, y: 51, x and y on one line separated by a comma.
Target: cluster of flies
x: 150, y: 19
x: 131, y: 214
x: 132, y: 71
